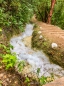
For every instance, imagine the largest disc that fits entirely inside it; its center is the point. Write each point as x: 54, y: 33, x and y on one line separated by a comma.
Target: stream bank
x: 35, y: 58
x: 50, y: 39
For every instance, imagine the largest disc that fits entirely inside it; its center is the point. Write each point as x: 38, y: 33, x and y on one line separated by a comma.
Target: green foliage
x: 0, y: 83
x: 0, y: 29
x: 2, y: 46
x: 3, y: 50
x: 43, y: 80
x: 15, y: 13
x: 45, y: 43
x: 27, y: 80
x: 38, y: 71
x: 58, y: 14
x: 41, y: 8
x: 6, y: 48
x: 9, y: 60
x: 21, y: 65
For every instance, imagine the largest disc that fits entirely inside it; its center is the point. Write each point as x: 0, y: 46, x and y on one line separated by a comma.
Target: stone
x: 40, y: 37
x: 39, y: 32
x: 40, y: 27
x: 54, y: 45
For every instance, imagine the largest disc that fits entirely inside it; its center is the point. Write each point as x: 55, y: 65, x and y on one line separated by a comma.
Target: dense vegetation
x: 58, y: 14
x: 14, y: 14
x: 43, y: 10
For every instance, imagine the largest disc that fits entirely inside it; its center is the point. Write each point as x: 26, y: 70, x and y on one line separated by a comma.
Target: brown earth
x: 9, y: 78
x: 53, y: 33
x: 12, y: 78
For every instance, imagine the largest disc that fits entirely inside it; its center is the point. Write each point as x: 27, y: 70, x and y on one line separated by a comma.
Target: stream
x: 37, y: 59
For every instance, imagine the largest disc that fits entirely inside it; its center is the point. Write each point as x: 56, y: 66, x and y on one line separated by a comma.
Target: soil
x: 12, y: 78
x: 9, y: 78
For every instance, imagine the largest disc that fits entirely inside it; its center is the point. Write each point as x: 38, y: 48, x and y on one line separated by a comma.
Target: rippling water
x: 37, y: 59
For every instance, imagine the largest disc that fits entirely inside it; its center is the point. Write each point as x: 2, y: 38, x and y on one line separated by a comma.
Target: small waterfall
x: 37, y: 59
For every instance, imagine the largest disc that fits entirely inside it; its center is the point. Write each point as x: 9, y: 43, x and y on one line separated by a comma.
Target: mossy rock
x: 55, y: 55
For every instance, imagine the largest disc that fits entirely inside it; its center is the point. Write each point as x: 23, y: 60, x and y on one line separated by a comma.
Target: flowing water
x: 37, y: 59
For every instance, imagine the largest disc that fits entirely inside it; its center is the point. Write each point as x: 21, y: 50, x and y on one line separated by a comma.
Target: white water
x: 36, y: 59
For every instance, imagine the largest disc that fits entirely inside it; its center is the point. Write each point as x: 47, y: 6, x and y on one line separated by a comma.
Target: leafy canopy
x: 15, y: 13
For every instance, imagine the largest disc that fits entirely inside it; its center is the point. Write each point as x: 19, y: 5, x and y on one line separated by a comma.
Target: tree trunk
x: 51, y: 11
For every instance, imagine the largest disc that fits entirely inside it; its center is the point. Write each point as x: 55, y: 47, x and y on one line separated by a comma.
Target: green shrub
x: 43, y: 80
x: 27, y: 80
x: 15, y: 13
x: 21, y: 65
x: 42, y: 9
x: 9, y: 60
x: 58, y: 14
x: 6, y: 48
